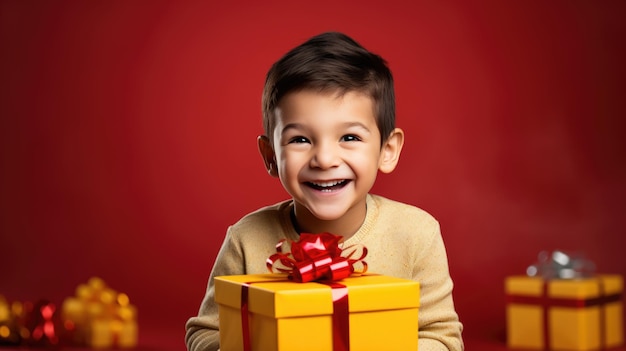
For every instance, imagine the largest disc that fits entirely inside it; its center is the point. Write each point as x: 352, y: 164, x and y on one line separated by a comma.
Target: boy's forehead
x: 293, y: 99
x: 310, y: 109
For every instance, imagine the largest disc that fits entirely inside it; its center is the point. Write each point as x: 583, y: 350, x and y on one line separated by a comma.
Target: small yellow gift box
x: 100, y: 317
x: 281, y: 315
x: 564, y: 314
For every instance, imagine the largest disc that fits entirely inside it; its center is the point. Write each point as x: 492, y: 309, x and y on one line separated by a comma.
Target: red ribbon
x: 316, y: 257
x: 563, y: 302
x: 245, y: 325
x: 341, y: 317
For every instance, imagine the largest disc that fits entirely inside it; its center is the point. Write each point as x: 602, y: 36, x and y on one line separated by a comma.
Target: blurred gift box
x: 561, y: 304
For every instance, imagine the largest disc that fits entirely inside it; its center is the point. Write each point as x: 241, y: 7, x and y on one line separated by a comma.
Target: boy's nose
x: 325, y: 156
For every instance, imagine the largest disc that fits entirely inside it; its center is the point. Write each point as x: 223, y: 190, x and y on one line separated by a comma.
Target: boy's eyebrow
x: 346, y: 125
x: 357, y: 124
x: 291, y: 126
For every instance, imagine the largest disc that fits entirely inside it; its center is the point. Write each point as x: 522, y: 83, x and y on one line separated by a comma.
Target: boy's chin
x: 326, y: 213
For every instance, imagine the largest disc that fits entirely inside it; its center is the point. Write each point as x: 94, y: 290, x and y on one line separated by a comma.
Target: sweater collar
x: 291, y: 230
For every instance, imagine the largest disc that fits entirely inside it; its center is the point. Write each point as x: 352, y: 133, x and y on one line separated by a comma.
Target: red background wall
x: 128, y: 128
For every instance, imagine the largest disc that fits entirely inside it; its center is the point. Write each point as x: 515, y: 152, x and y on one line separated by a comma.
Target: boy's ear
x: 267, y: 152
x: 390, y: 152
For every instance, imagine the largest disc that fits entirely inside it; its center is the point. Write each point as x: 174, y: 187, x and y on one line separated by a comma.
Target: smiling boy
x: 329, y: 121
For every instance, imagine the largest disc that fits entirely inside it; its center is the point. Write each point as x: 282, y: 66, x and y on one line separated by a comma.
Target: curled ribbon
x: 316, y: 257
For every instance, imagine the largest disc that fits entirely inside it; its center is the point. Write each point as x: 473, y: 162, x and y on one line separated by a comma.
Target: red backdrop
x: 128, y: 139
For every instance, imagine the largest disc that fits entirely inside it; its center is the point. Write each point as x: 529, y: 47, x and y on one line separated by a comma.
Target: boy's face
x: 327, y: 152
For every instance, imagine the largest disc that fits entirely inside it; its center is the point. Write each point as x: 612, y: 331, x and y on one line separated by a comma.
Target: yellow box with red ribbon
x: 564, y: 314
x: 269, y: 312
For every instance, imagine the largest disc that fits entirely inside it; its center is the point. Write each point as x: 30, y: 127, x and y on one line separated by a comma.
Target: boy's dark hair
x: 331, y: 62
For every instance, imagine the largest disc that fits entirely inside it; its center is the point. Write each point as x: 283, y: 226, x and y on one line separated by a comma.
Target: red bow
x: 316, y: 257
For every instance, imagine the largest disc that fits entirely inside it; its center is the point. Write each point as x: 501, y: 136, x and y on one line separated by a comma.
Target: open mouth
x: 328, y: 186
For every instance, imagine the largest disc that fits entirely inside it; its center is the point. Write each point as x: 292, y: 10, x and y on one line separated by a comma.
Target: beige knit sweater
x: 402, y: 241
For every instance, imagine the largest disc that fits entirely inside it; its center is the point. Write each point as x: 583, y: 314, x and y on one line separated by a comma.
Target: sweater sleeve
x: 202, y: 331
x: 439, y: 326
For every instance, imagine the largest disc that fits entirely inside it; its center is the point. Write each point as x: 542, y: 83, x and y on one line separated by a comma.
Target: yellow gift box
x: 286, y: 316
x: 100, y: 317
x: 565, y: 314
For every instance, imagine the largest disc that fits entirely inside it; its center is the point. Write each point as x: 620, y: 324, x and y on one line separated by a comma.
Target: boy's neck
x: 346, y: 226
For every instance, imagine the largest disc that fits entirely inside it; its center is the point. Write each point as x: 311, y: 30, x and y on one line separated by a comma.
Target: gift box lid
x: 275, y: 296
x: 603, y: 284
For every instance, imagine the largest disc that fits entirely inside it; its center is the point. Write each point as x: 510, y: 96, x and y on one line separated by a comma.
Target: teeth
x: 328, y: 184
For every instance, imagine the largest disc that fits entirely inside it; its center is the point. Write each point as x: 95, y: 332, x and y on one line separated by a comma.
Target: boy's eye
x: 350, y: 137
x: 298, y: 140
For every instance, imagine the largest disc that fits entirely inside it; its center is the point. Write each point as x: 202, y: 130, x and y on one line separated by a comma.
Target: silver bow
x: 561, y: 265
